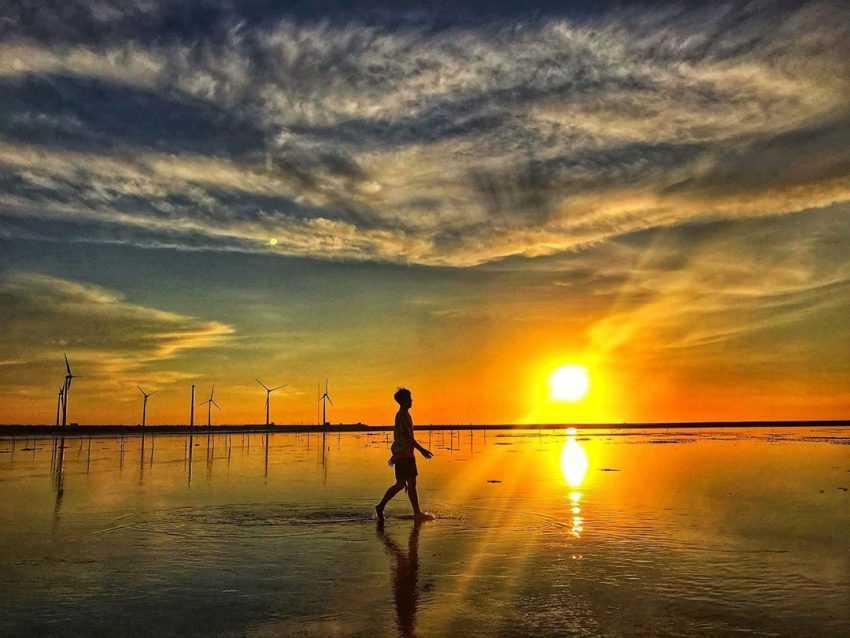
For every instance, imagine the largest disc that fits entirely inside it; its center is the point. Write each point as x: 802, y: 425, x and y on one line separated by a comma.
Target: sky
x: 457, y: 197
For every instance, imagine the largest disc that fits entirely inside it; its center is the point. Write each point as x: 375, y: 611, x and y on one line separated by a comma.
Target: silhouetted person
x: 405, y: 574
x: 403, y: 457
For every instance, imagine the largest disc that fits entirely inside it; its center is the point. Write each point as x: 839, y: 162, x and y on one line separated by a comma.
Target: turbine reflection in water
x: 574, y: 466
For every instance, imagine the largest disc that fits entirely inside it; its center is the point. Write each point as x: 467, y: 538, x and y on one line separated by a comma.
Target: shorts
x: 405, y: 469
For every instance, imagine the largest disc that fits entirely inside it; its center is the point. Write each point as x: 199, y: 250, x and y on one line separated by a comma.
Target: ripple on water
x: 246, y: 520
x: 250, y: 520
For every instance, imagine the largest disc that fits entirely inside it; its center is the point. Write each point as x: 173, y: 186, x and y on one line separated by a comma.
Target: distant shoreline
x: 80, y: 430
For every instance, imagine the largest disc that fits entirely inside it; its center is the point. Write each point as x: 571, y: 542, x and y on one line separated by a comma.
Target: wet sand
x: 550, y: 533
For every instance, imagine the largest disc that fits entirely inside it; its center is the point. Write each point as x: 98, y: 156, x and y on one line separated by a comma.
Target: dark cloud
x: 809, y: 155
x: 530, y: 189
x: 89, y: 114
x: 78, y: 21
x: 417, y: 135
x: 443, y: 122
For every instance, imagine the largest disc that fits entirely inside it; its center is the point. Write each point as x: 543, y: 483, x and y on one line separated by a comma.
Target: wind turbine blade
x: 140, y: 390
x: 67, y: 365
x: 331, y: 400
x: 216, y: 405
x: 264, y: 385
x: 278, y: 387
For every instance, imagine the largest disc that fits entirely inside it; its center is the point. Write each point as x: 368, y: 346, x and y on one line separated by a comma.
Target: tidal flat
x: 545, y: 533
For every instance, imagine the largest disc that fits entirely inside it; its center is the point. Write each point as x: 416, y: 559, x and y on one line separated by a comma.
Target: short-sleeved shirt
x: 403, y: 434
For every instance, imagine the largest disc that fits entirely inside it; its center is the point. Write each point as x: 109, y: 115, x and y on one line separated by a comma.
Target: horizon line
x: 12, y: 429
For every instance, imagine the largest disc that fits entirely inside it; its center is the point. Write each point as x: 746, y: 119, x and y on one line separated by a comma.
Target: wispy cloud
x: 447, y: 146
x: 112, y: 339
x: 677, y: 299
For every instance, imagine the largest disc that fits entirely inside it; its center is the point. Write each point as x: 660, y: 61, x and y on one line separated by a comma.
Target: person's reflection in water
x: 405, y: 575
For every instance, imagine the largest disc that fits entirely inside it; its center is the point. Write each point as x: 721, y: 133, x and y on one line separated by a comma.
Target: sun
x: 569, y: 383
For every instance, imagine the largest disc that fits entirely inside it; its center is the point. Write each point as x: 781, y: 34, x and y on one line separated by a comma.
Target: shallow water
x: 672, y: 533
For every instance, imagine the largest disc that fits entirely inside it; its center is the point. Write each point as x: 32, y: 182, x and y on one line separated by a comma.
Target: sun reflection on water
x: 574, y: 464
x: 573, y: 460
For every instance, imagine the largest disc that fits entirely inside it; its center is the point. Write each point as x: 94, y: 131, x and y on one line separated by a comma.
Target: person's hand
x: 426, y: 453
x: 391, y: 461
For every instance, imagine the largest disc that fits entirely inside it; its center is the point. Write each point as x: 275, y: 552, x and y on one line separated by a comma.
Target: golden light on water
x: 574, y: 461
x: 569, y: 383
x: 574, y: 465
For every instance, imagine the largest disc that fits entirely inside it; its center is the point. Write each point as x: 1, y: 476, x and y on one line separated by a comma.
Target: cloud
x: 393, y: 139
x: 675, y: 298
x: 109, y: 339
x: 92, y: 115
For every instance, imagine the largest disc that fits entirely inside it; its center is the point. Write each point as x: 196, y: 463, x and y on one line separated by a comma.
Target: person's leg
x: 413, y: 495
x: 394, y: 489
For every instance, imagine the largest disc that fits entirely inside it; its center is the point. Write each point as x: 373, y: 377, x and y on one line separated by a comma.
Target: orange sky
x: 475, y: 346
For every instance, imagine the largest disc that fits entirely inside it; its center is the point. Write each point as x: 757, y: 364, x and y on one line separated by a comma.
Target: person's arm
x: 422, y: 450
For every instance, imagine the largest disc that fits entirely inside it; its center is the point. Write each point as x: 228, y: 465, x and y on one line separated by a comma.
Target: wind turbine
x: 69, y: 376
x: 268, y: 396
x: 324, y: 398
x: 210, y: 403
x: 146, y: 395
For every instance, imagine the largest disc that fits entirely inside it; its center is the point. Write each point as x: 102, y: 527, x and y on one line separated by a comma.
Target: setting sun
x: 569, y: 383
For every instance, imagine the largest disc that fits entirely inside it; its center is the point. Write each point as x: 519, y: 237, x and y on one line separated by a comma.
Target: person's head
x: 403, y: 398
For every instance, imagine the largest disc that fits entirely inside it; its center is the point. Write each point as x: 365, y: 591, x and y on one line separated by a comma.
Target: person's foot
x: 379, y: 512
x: 423, y: 516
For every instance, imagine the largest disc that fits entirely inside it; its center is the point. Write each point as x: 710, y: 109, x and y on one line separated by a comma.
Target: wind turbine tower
x: 66, y: 391
x: 60, y: 401
x: 210, y: 403
x: 268, y: 396
x: 146, y: 396
x: 324, y: 399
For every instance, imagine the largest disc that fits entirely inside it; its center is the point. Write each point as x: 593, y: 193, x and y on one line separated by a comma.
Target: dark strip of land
x: 88, y: 430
